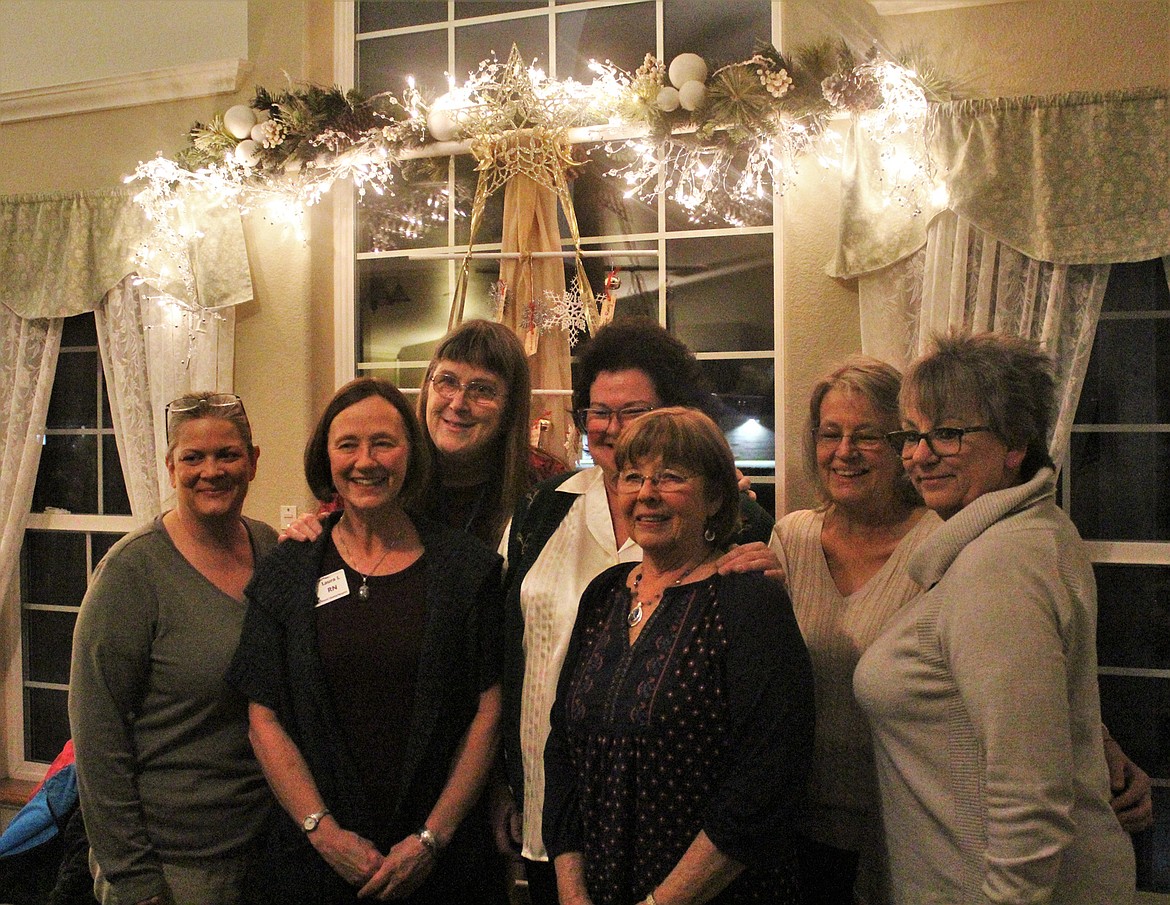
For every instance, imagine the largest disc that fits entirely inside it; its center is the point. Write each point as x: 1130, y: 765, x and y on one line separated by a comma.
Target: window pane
x: 73, y: 402
x: 1119, y: 489
x: 384, y: 63
x: 1137, y: 711
x: 79, y: 330
x: 48, y: 638
x: 100, y: 544
x: 600, y: 203
x: 413, y: 213
x: 491, y: 227
x: 723, y: 32
x: 376, y: 15
x: 46, y: 723
x: 1133, y: 616
x: 720, y: 209
x: 622, y: 35
x: 745, y: 409
x: 53, y: 568
x: 1128, y: 380
x: 115, y: 500
x: 719, y: 292
x: 1140, y: 286
x: 408, y: 379
x: 1153, y: 847
x: 67, y: 477
x: 633, y: 281
x: 477, y: 43
x: 404, y: 305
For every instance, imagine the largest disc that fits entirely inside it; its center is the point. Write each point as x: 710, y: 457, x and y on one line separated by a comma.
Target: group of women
x: 636, y: 650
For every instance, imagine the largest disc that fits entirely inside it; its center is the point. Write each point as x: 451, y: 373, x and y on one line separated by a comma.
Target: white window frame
x: 346, y: 365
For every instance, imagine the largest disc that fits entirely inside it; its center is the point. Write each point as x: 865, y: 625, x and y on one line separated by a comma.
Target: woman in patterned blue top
x: 684, y: 713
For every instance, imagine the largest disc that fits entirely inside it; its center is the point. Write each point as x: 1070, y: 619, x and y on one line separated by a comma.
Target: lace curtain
x: 154, y: 350
x: 1044, y: 193
x: 62, y: 255
x: 28, y: 359
x: 966, y: 279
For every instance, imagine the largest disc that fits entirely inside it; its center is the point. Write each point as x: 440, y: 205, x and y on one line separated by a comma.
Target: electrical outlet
x: 288, y: 515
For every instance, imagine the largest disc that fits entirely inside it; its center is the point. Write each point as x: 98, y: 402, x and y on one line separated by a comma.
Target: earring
x: 709, y: 535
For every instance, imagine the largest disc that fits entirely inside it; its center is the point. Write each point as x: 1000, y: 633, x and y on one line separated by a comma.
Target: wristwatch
x: 311, y: 822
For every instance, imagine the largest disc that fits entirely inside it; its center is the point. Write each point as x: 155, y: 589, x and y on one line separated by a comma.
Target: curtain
x: 28, y: 360
x: 966, y: 279
x: 153, y: 350
x: 530, y: 224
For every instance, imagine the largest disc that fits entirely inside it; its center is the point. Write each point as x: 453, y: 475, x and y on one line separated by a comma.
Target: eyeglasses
x: 221, y: 404
x: 476, y: 392
x: 830, y: 438
x: 942, y: 441
x: 662, y: 481
x: 598, y: 417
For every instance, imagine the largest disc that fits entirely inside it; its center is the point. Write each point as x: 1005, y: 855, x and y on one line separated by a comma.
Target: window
x: 79, y: 509
x: 711, y: 283
x: 1117, y: 490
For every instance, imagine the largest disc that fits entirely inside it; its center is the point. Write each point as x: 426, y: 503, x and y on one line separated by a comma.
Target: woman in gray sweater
x: 172, y: 795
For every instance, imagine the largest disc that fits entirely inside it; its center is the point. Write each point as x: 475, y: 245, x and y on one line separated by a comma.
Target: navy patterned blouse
x: 704, y: 723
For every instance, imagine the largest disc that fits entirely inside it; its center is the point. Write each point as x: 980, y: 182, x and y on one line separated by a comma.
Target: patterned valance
x: 1069, y: 179
x: 60, y: 254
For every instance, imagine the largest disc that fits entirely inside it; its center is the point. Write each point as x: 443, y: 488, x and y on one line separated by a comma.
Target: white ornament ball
x: 257, y: 134
x: 248, y: 153
x: 442, y: 118
x: 239, y: 120
x: 667, y: 99
x: 687, y: 67
x: 692, y: 94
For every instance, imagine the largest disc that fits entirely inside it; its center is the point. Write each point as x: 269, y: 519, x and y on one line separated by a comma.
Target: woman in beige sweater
x: 845, y: 565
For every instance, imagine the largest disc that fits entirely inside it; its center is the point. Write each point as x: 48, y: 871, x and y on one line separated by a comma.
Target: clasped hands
x: 357, y: 861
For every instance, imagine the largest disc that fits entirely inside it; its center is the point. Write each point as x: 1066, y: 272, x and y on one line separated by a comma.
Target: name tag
x: 332, y: 587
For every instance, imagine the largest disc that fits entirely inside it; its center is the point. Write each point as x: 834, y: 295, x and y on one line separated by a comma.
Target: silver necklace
x: 364, y: 591
x: 635, y: 614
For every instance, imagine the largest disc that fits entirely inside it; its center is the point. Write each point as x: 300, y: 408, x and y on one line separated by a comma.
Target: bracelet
x: 430, y: 843
x: 650, y: 900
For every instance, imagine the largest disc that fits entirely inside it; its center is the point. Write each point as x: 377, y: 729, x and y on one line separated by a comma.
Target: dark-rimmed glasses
x: 665, y: 481
x: 476, y: 392
x: 942, y: 441
x: 598, y: 416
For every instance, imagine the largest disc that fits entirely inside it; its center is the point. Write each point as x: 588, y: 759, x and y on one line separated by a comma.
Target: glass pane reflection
x: 1137, y: 711
x: 621, y: 35
x: 384, y: 63
x: 1111, y: 393
x: 1133, y: 616
x: 1119, y: 489
x: 67, y: 477
x: 48, y: 637
x: 46, y: 723
x: 744, y: 407
x: 74, y: 398
x: 719, y: 292
x: 52, y: 568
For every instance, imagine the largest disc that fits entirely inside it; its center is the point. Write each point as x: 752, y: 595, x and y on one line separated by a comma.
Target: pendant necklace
x: 635, y: 614
x: 364, y: 591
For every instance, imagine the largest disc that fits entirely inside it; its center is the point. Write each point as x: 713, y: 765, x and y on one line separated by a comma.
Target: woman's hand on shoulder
x: 402, y: 871
x: 352, y: 857
x: 307, y: 527
x: 754, y: 557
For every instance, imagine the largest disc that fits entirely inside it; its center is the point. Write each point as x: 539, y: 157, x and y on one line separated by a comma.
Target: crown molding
x: 907, y: 7
x: 134, y: 89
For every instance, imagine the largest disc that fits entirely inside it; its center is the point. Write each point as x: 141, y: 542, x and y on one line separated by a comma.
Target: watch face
x: 310, y: 822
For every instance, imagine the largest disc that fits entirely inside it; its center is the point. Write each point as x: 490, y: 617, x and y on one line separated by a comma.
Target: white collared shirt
x: 582, y: 547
